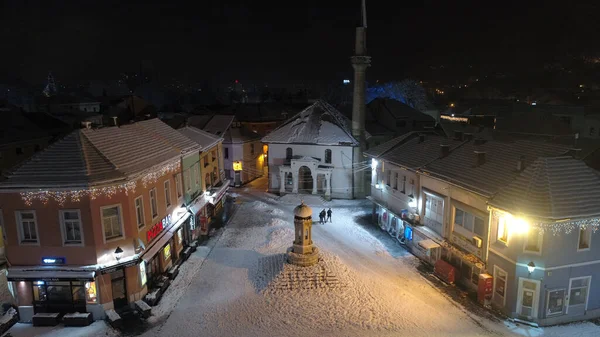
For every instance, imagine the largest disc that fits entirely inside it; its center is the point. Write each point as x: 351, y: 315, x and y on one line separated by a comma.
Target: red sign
x: 153, y: 232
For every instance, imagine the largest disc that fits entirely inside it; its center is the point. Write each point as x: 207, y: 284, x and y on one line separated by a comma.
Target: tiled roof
x: 217, y: 125
x: 553, y: 188
x: 320, y: 124
x: 381, y: 149
x: 499, y: 167
x: 240, y: 134
x: 88, y: 157
x: 205, y: 139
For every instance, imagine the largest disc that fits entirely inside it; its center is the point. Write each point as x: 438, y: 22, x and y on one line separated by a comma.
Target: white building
x: 312, y: 153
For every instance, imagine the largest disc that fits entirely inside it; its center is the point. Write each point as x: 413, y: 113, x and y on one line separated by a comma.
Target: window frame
x: 188, y: 179
x: 495, y: 278
x: 197, y: 173
x: 63, y: 227
x: 19, y: 219
x: 504, y: 239
x: 539, y: 242
x: 153, y: 203
x: 226, y: 154
x: 167, y: 189
x: 120, y: 217
x: 328, y: 156
x: 178, y: 188
x: 588, y: 231
x: 143, y: 222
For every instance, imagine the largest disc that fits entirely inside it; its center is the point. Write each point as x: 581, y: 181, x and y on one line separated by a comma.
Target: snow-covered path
x: 386, y: 295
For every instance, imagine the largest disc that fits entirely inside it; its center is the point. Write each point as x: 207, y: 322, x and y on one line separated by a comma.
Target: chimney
x: 421, y: 138
x: 575, y: 153
x: 458, y: 135
x: 468, y: 136
x: 479, y: 158
x: 445, y: 150
x: 521, y: 164
x: 115, y: 121
x: 479, y: 141
x: 87, y: 125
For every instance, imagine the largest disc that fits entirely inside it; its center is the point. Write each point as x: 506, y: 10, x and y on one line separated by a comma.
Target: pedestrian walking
x: 322, y: 215
x: 329, y: 215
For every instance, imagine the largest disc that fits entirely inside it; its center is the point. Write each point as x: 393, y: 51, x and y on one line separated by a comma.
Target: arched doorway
x: 305, y: 180
x: 289, y: 182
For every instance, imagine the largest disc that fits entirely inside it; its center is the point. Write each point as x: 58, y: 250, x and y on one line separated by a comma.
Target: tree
x: 407, y: 91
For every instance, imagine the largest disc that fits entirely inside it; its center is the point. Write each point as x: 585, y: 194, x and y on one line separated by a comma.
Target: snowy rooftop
x: 319, y: 124
x: 205, y: 139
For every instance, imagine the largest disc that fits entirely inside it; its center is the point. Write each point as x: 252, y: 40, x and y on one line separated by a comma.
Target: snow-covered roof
x: 205, y: 139
x: 319, y: 124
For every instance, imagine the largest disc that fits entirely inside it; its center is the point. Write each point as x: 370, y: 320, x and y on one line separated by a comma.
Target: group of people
x: 325, y: 216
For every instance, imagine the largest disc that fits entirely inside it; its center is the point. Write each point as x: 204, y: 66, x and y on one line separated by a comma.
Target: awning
x: 197, y: 206
x: 166, y: 236
x: 218, y: 193
x: 428, y: 244
x: 49, y: 275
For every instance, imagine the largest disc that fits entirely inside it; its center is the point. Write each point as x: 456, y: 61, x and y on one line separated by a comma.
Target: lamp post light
x: 530, y: 267
x: 118, y: 253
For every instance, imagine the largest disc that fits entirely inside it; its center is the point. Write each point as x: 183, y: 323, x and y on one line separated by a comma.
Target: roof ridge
x: 82, y: 137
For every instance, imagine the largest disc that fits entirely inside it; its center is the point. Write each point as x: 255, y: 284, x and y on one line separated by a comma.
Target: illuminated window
x: 90, y: 292
x: 502, y: 230
x: 143, y: 278
x: 167, y: 252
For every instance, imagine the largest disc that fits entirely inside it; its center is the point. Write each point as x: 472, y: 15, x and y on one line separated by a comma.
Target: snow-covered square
x: 244, y: 287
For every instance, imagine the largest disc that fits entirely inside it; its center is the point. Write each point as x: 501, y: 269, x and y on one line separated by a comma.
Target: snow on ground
x: 96, y: 329
x: 367, y: 285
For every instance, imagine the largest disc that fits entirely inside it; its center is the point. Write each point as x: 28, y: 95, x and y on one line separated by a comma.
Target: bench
x: 46, y: 319
x: 143, y: 308
x: 153, y: 297
x: 114, y: 319
x: 173, y: 271
x: 78, y: 319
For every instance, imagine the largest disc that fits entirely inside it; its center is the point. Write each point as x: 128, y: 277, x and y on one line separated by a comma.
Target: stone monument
x: 303, y: 252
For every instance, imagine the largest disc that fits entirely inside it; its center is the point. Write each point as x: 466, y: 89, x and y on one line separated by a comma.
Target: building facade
x: 312, y: 153
x: 84, y: 236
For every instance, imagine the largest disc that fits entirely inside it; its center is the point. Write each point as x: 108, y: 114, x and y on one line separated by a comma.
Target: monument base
x: 304, y: 260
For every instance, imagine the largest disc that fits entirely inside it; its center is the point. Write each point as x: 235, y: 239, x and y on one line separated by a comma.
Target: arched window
x: 288, y: 153
x: 328, y: 156
x: 207, y: 180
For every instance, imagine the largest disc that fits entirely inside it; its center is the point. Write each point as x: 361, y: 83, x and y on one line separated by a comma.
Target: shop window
x: 111, y: 221
x: 585, y: 237
x: 39, y: 291
x: 90, y: 292
x: 168, y: 193
x: 579, y: 288
x: 139, y: 211
x: 143, y: 278
x: 226, y: 155
x: 78, y: 292
x: 328, y: 156
x: 533, y: 242
x: 71, y: 227
x: 153, y: 205
x: 27, y: 226
x: 59, y: 291
x: 167, y: 252
x: 468, y: 221
x: 500, y: 277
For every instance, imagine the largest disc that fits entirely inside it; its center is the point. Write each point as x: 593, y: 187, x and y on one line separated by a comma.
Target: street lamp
x: 118, y: 253
x: 531, y: 267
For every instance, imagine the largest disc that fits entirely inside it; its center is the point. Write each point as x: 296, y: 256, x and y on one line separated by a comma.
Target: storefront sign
x: 153, y: 232
x: 237, y: 165
x: 119, y: 266
x: 54, y: 260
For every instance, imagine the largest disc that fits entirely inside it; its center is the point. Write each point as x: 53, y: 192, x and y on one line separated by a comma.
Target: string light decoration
x: 559, y: 227
x: 94, y: 192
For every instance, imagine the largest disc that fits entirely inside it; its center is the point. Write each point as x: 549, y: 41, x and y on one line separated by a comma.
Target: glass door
x: 578, y: 295
x: 119, y: 290
x: 528, y: 295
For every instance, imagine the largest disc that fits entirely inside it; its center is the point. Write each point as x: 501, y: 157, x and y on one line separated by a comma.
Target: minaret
x: 360, y: 63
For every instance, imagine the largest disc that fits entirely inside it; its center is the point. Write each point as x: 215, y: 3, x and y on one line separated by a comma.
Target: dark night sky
x: 283, y: 41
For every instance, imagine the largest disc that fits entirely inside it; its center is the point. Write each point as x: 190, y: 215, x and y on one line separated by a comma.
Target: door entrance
x: 119, y: 289
x: 528, y: 296
x: 238, y: 178
x: 578, y: 295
